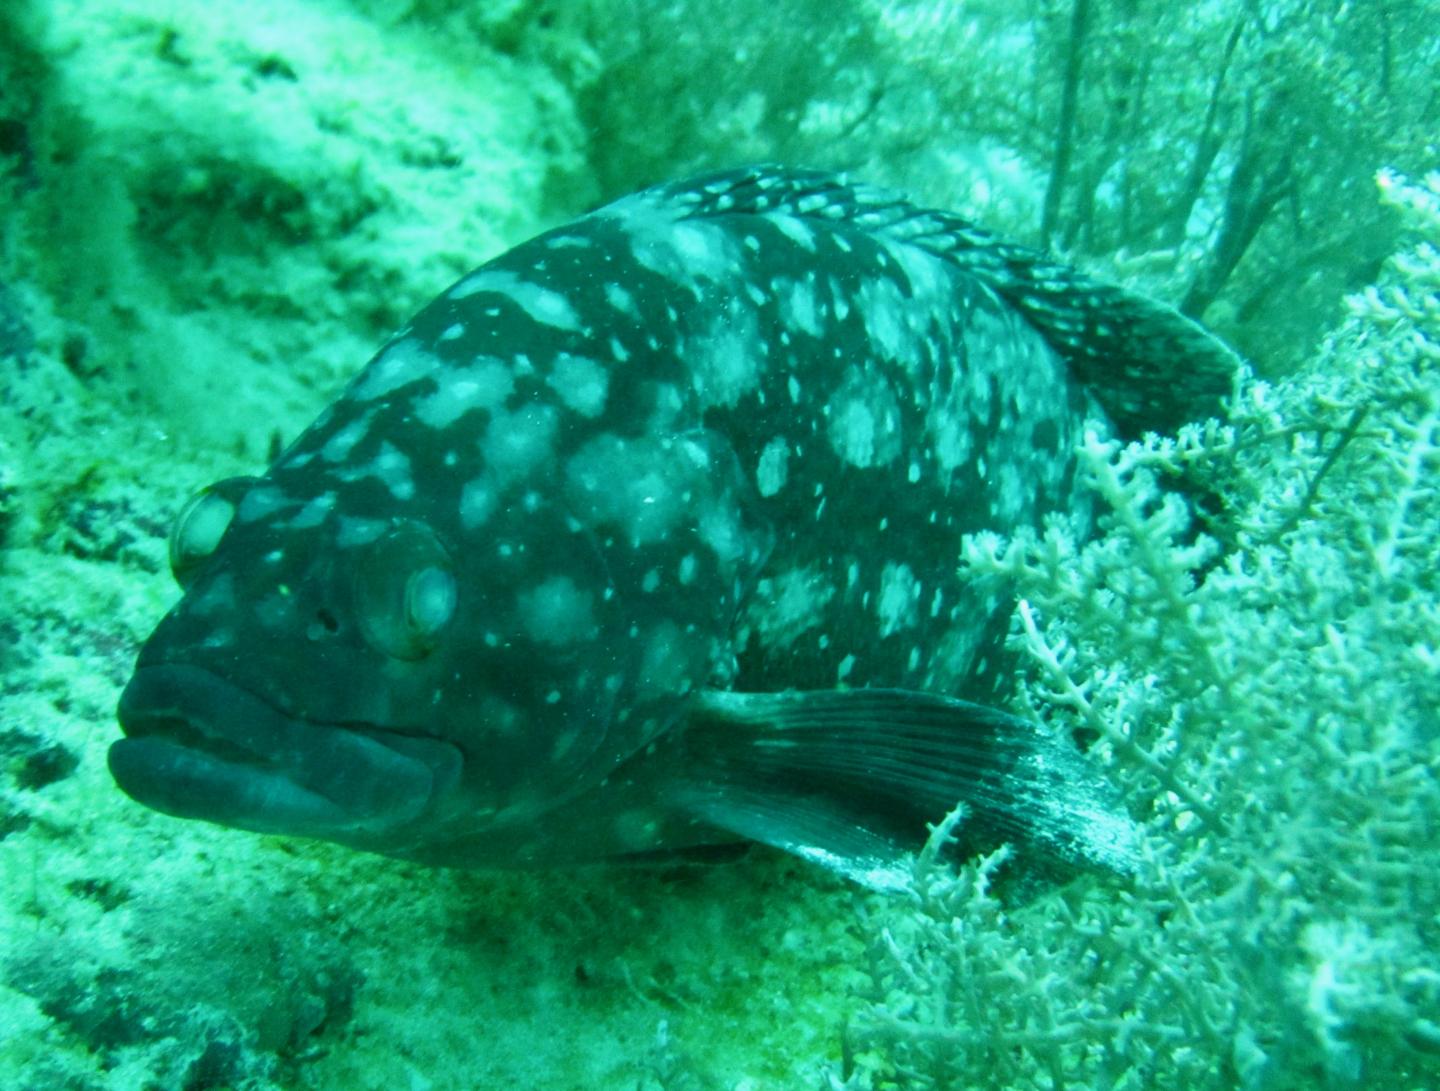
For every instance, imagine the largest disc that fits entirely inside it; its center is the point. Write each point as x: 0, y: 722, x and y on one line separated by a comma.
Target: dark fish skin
x: 643, y: 536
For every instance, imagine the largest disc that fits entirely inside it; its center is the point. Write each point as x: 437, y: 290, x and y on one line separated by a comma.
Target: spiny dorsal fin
x: 1150, y: 367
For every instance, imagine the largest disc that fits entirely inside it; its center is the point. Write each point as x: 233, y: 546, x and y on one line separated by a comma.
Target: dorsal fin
x: 1149, y: 366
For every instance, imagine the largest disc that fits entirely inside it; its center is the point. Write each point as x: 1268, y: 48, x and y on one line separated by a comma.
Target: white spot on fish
x: 666, y: 662
x: 631, y: 483
x: 770, y: 474
x: 217, y: 598
x: 686, y: 253
x: 477, y: 503
x: 725, y: 358
x: 404, y: 362
x: 390, y: 466
x: 515, y: 443
x: 864, y: 420
x: 338, y: 447
x: 887, y: 315
x: 566, y: 740
x: 852, y: 433
x: 556, y: 612
x: 276, y: 612
x: 580, y: 382
x: 484, y: 383
x: 798, y: 308
x: 547, y: 307
x: 313, y: 513
x: 720, y: 529
x: 570, y: 242
x: 952, y: 437
x: 621, y: 300
x: 796, y: 230
x: 787, y: 605
x: 260, y: 502
x: 357, y: 532
x: 898, y: 591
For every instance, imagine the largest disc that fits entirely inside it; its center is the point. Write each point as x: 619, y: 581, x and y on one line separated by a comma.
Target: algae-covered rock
x: 211, y: 215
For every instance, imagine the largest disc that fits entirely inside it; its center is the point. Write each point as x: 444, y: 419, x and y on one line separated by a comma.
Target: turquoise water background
x: 210, y: 215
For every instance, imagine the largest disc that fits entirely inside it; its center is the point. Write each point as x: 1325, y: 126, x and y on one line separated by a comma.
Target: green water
x: 214, y: 212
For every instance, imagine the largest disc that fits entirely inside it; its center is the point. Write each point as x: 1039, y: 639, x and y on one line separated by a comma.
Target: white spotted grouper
x: 643, y: 538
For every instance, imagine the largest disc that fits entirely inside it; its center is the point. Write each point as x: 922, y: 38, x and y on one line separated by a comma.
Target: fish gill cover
x: 213, y: 212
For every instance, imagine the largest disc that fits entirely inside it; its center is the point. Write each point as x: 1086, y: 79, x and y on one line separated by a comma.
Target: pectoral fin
x: 851, y: 779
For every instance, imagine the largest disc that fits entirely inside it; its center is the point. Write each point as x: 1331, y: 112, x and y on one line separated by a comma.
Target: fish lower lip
x: 197, y: 746
x: 191, y: 783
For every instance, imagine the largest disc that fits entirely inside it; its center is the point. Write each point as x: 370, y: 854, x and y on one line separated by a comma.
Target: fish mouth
x: 198, y: 746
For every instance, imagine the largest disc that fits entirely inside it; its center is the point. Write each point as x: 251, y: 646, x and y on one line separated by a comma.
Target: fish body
x: 643, y: 537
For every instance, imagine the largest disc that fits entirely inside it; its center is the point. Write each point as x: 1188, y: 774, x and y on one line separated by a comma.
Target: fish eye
x: 405, y: 591
x: 429, y: 599
x: 201, y: 524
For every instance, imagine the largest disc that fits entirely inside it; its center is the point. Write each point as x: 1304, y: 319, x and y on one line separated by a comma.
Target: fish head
x: 493, y: 571
x: 394, y: 646
x: 338, y: 670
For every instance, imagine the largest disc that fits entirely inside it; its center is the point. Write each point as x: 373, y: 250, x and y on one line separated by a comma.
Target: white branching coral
x: 1251, y: 646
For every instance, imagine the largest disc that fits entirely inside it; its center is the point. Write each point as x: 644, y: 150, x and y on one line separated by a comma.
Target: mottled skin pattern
x: 718, y: 435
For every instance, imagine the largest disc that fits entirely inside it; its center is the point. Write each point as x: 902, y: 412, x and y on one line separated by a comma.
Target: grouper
x: 642, y: 540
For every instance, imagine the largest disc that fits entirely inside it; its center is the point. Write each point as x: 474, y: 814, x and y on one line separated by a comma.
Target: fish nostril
x: 327, y: 621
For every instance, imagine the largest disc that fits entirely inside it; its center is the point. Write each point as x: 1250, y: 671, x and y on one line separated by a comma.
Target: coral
x: 1254, y: 654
